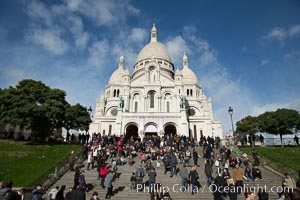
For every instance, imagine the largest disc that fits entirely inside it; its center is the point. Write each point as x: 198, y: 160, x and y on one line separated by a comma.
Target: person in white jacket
x: 89, y: 160
x: 53, y: 192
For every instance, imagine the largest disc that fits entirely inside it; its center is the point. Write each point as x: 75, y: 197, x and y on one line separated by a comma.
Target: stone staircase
x: 122, y: 190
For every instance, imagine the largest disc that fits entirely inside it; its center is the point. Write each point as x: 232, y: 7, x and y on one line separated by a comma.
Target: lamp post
x: 230, y: 111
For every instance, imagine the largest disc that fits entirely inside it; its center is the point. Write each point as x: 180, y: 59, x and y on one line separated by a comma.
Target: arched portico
x: 170, y: 128
x: 151, y: 129
x: 132, y: 131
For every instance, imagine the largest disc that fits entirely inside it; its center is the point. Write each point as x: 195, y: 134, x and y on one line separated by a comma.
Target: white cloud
x: 56, y: 21
x: 132, y: 10
x: 264, y: 62
x: 280, y: 33
x: 98, y: 53
x: 257, y: 110
x: 103, y: 12
x: 208, y: 57
x: 12, y: 75
x: 74, y: 4
x: 176, y: 47
x: 81, y: 38
x: 38, y: 11
x: 277, y: 33
x: 190, y: 40
x: 293, y: 55
x: 128, y: 43
x: 294, y: 30
x: 49, y: 39
x: 138, y: 34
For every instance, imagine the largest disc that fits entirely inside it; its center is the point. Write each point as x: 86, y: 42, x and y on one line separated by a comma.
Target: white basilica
x: 154, y: 99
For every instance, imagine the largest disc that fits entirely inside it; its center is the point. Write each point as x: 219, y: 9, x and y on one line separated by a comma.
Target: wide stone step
x: 123, y: 191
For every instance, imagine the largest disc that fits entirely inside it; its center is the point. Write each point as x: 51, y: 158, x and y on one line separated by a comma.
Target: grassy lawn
x: 286, y: 156
x: 23, y: 163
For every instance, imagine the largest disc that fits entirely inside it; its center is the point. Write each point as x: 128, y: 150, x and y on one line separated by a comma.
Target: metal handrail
x: 276, y: 166
x: 50, y: 177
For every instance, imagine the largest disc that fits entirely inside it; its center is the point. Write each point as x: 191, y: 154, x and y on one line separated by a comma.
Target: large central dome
x: 154, y: 49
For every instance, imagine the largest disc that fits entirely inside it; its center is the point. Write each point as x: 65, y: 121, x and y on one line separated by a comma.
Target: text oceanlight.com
x: 176, y: 188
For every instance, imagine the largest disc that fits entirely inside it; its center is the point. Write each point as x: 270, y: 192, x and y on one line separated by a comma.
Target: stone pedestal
x: 184, y: 123
x: 141, y: 128
x: 160, y: 129
x: 118, y: 127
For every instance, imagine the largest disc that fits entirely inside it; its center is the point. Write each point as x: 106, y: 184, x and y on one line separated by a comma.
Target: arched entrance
x: 132, y: 132
x: 170, y: 129
x: 150, y: 130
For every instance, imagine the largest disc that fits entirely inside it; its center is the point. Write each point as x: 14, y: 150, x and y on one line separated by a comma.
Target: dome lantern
x: 185, y: 61
x: 121, y: 62
x: 154, y: 49
x: 153, y: 34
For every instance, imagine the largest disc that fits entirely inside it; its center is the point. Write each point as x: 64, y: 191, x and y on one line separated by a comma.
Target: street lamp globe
x: 230, y: 111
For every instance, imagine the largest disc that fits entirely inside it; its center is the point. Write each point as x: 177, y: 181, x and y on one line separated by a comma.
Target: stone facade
x: 155, y: 99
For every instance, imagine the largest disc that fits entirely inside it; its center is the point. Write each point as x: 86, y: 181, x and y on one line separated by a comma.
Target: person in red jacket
x: 103, y: 173
x: 120, y: 150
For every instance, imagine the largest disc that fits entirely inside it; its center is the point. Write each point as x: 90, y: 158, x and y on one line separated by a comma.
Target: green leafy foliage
x: 248, y: 125
x: 33, y: 105
x: 77, y: 117
x: 282, y: 121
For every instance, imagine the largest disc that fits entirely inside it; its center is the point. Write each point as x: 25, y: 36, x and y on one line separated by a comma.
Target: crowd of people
x: 178, y: 155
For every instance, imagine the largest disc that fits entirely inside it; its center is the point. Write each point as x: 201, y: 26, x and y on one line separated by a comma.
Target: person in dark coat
x: 68, y: 195
x: 195, y: 157
x: 60, y: 193
x: 38, y: 193
x: 193, y: 178
x: 78, y: 193
x: 219, y: 183
x: 76, y: 177
x: 262, y: 195
x: 152, y: 177
x: 173, y: 165
x: 255, y: 157
x: 6, y: 193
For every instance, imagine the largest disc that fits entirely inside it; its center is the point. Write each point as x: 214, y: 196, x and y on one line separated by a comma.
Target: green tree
x: 281, y: 122
x: 248, y: 125
x: 76, y: 117
x: 34, y: 105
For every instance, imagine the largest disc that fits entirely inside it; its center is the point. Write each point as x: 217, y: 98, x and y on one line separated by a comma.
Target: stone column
x: 145, y: 104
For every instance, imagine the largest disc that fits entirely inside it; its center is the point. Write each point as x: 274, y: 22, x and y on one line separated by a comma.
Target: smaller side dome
x: 116, y: 77
x: 126, y: 72
x: 188, y: 76
x: 178, y: 72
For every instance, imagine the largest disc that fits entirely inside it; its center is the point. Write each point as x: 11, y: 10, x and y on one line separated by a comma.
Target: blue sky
x: 246, y: 53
